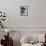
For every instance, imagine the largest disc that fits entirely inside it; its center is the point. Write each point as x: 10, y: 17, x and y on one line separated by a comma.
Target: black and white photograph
x: 23, y: 10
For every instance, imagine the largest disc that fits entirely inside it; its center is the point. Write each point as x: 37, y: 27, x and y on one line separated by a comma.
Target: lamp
x: 7, y: 31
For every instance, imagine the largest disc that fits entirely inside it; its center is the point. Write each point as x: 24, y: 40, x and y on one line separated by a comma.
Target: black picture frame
x: 23, y: 10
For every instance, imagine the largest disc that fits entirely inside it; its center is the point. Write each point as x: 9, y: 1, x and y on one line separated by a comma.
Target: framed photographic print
x: 23, y: 10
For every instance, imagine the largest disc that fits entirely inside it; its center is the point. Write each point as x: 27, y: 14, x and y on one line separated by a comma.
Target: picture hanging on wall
x: 23, y: 10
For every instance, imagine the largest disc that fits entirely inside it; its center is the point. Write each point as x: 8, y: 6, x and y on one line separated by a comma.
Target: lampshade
x: 7, y: 30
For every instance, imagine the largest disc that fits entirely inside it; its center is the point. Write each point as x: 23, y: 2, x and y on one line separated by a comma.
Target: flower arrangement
x: 2, y: 19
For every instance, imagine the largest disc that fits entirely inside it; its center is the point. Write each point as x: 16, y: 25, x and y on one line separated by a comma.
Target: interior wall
x: 36, y: 13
